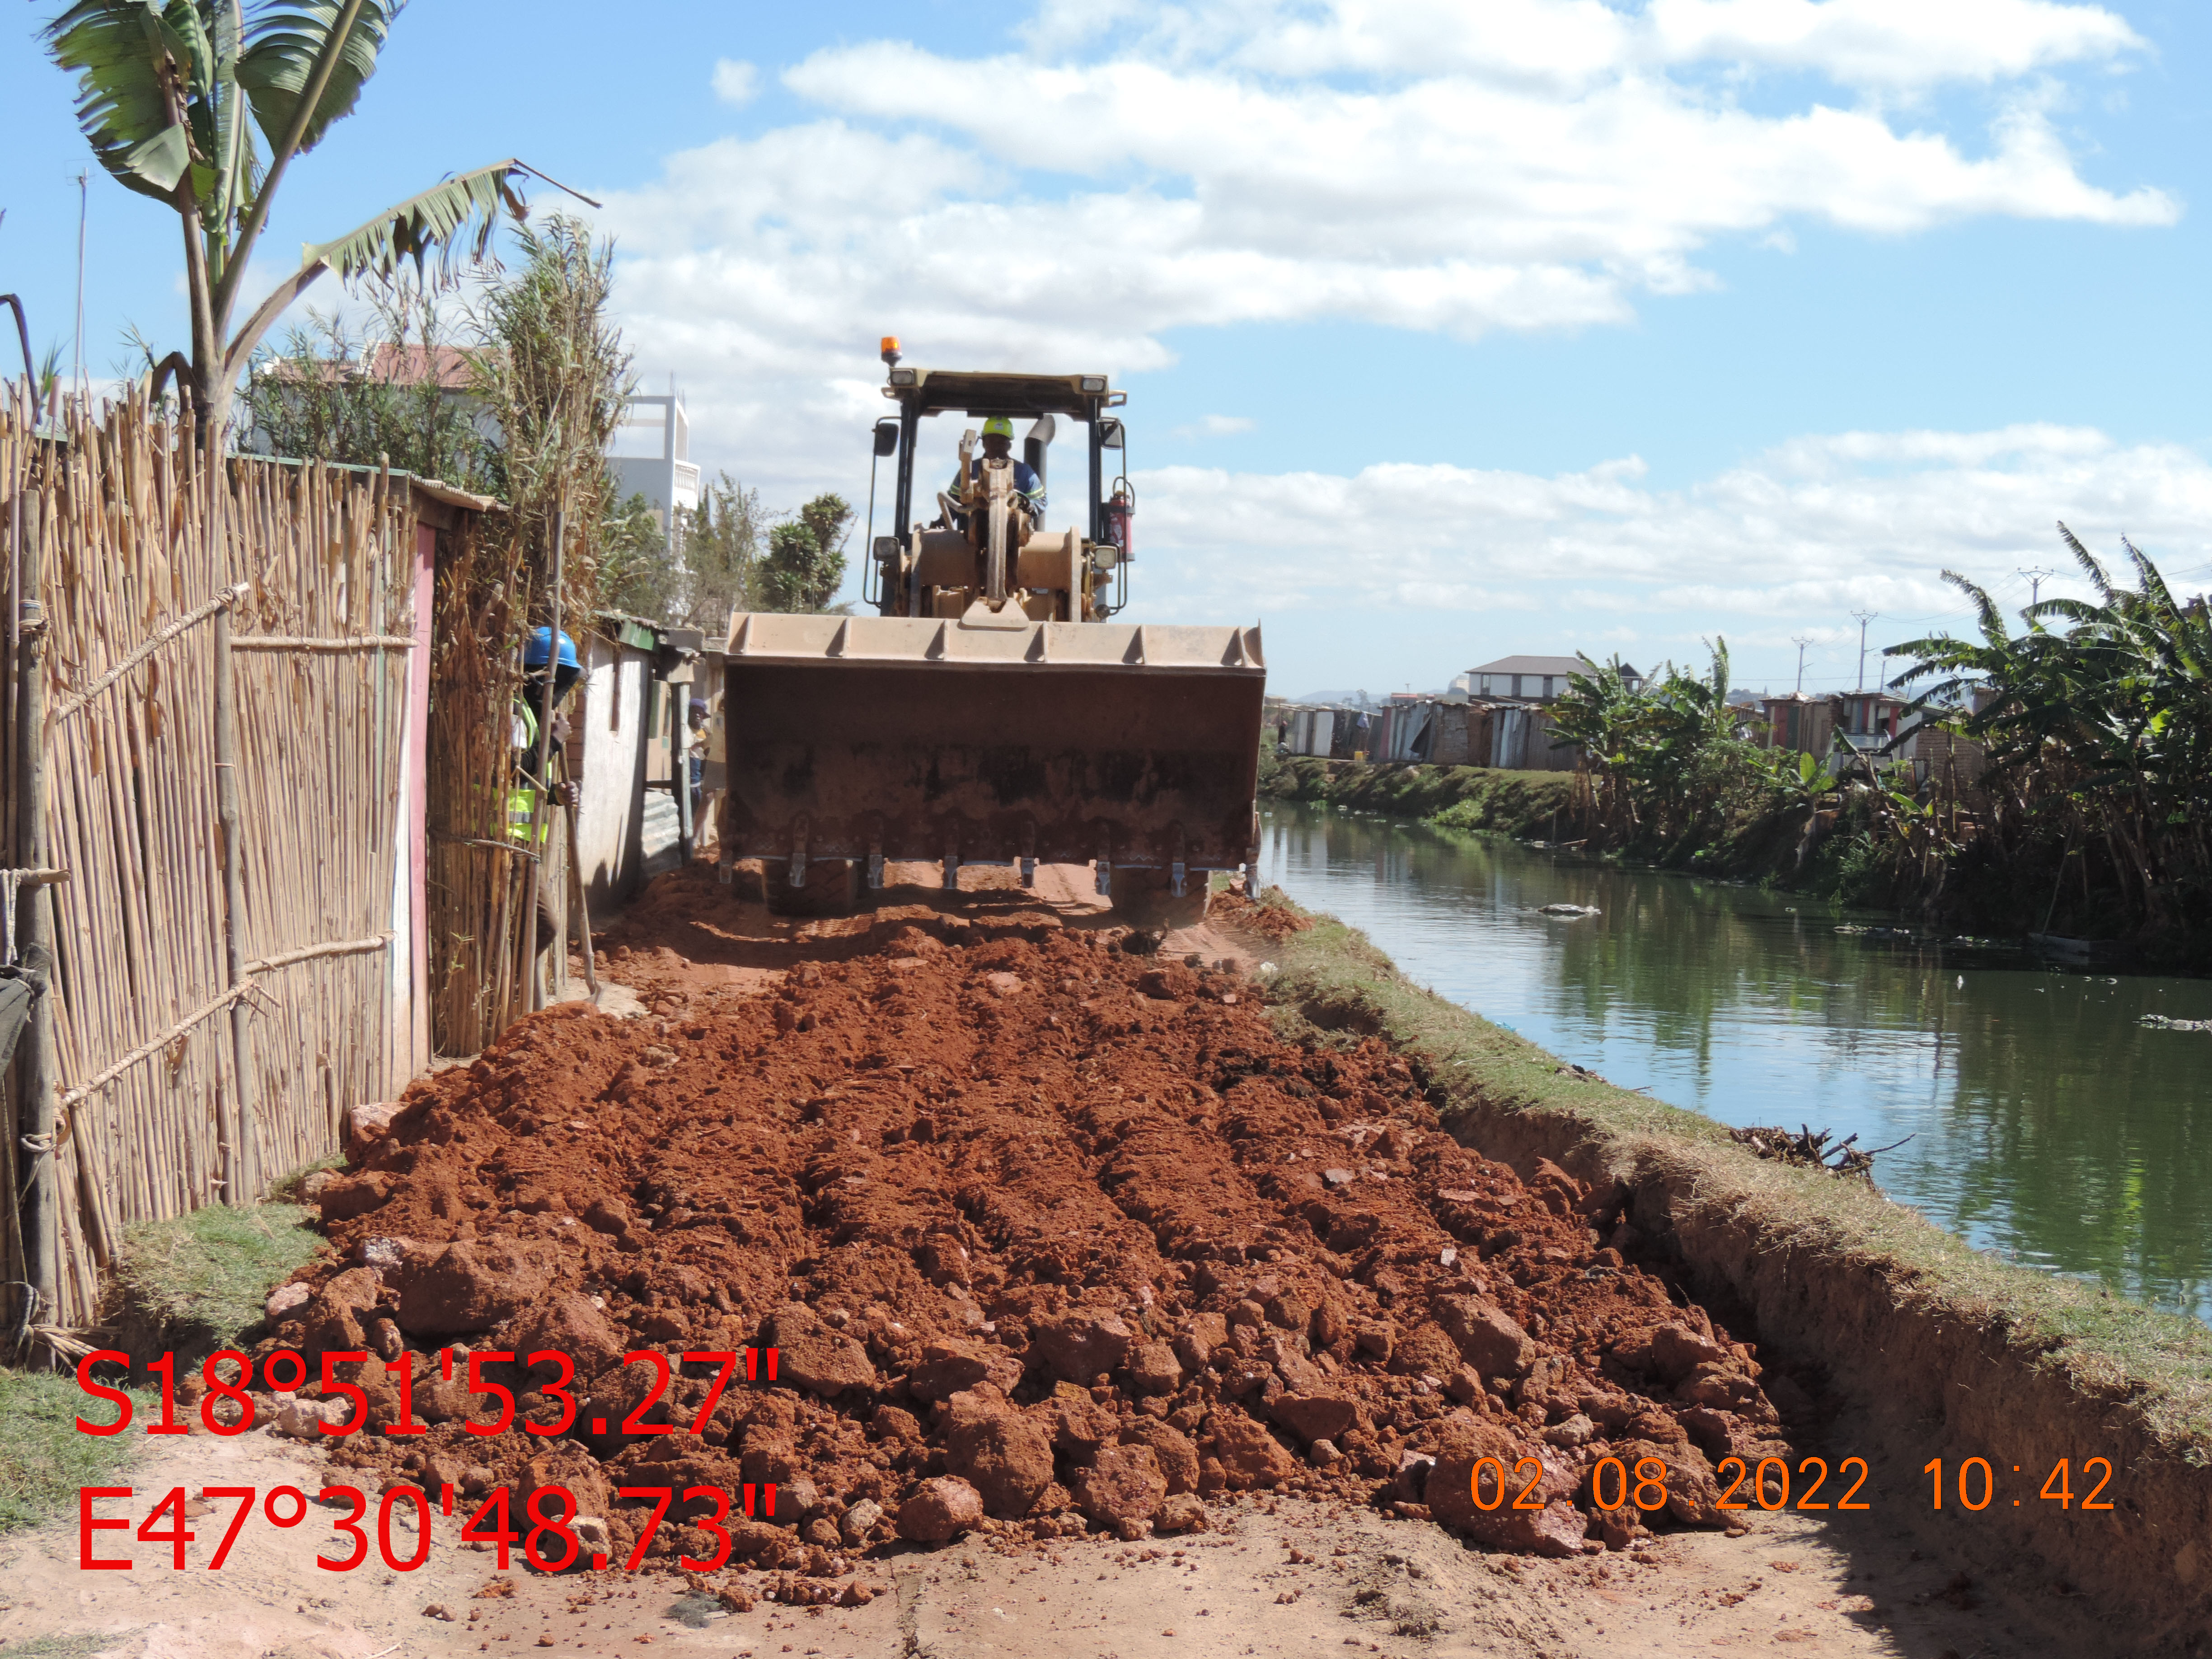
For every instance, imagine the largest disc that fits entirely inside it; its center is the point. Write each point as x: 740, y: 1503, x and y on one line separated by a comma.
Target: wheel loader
x: 991, y: 711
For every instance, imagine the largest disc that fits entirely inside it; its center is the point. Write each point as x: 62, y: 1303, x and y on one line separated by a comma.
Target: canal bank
x: 2047, y: 1115
x: 1923, y: 1348
x: 1499, y: 803
x: 1859, y: 846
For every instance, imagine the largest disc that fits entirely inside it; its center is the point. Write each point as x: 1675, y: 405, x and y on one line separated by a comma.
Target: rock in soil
x: 1104, y: 1247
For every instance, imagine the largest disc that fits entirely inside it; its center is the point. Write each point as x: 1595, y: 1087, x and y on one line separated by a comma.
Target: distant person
x: 547, y: 679
x: 695, y: 752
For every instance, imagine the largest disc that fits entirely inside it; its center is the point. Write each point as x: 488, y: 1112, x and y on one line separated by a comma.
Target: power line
x: 1801, y: 641
x: 2035, y: 574
x: 1995, y: 590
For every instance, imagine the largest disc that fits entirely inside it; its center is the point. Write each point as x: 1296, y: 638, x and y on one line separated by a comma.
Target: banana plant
x: 1796, y: 777
x: 204, y: 105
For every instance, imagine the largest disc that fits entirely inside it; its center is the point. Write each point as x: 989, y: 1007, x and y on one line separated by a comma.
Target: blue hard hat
x: 535, y: 649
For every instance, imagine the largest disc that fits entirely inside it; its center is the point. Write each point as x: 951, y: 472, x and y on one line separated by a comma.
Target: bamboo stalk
x: 15, y: 470
x: 310, y: 952
x: 241, y: 1178
x: 157, y: 1044
x: 41, y: 1194
x: 343, y: 642
x: 154, y: 642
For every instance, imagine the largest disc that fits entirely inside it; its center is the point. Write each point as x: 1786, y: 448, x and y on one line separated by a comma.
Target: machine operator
x: 998, y: 445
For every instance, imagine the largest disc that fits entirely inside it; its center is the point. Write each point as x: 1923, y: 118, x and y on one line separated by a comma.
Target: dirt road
x: 1111, y: 1322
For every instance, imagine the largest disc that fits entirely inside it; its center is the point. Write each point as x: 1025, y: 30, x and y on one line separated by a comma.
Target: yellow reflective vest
x: 522, y: 798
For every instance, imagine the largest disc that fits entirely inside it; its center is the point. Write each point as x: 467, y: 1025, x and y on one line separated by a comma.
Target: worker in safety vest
x: 998, y: 445
x: 547, y: 677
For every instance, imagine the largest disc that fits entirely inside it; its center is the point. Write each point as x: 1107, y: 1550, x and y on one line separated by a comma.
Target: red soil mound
x: 1033, y: 1225
x: 1233, y: 910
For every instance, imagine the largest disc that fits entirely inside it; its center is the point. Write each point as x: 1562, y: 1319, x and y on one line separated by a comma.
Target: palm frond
x: 129, y: 61
x: 436, y: 221
x: 464, y: 208
x: 2088, y: 562
x: 284, y: 42
x: 229, y: 146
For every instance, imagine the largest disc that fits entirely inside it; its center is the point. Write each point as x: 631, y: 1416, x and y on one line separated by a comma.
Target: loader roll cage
x: 921, y: 393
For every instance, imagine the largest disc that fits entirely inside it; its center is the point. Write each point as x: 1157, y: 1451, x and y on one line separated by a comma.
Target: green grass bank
x: 1521, y: 804
x: 1928, y: 1348
x: 188, y: 1286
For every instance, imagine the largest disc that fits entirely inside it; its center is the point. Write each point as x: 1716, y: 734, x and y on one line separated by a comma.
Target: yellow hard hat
x: 997, y: 427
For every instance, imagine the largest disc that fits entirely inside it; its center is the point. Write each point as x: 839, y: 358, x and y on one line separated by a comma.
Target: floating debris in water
x: 1810, y: 1151
x: 1570, y: 911
x: 2160, y: 1023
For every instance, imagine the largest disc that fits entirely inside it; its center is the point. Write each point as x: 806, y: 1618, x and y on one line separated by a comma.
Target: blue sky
x: 1450, y: 331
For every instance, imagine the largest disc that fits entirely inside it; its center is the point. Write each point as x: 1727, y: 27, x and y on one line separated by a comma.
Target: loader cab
x: 1071, y: 565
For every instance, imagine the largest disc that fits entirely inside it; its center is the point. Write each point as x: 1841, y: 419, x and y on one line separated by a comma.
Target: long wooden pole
x: 583, y: 903
x: 537, y: 874
x: 16, y: 486
x: 241, y: 1178
x: 680, y: 745
x: 41, y: 1204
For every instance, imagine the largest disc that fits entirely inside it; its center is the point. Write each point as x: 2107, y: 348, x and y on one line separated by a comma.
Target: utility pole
x: 2035, y: 574
x: 76, y: 339
x: 1801, y: 641
x: 1864, y: 618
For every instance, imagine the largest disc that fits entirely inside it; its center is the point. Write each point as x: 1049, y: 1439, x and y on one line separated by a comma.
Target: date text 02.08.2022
x: 1768, y: 1484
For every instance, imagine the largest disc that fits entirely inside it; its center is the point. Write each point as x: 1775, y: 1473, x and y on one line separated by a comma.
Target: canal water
x: 2046, y: 1122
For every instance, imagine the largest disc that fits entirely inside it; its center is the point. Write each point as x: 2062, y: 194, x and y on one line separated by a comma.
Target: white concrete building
x: 650, y: 454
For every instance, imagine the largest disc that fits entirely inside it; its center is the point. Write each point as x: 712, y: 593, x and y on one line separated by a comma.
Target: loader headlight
x: 887, y: 550
x: 1094, y: 383
x: 903, y: 377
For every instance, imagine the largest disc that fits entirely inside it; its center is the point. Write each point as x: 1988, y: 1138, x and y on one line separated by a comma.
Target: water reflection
x: 2046, y: 1122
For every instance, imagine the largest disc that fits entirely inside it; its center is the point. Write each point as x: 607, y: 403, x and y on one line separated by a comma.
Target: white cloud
x: 1569, y: 44
x: 1895, y: 43
x: 1788, y: 543
x: 736, y: 82
x: 1427, y: 165
x: 1115, y: 170
x: 1214, y: 426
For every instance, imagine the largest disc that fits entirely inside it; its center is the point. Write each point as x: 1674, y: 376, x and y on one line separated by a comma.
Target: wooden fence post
x: 242, y: 1176
x: 36, y: 1081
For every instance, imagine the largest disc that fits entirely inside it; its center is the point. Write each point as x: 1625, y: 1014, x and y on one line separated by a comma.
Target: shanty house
x: 1529, y: 679
x: 627, y: 745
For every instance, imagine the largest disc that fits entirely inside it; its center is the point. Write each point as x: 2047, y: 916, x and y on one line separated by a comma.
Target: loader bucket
x: 895, y: 738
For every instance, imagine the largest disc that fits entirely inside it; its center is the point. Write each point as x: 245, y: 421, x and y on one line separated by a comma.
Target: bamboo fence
x: 145, y: 551
x: 479, y: 881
